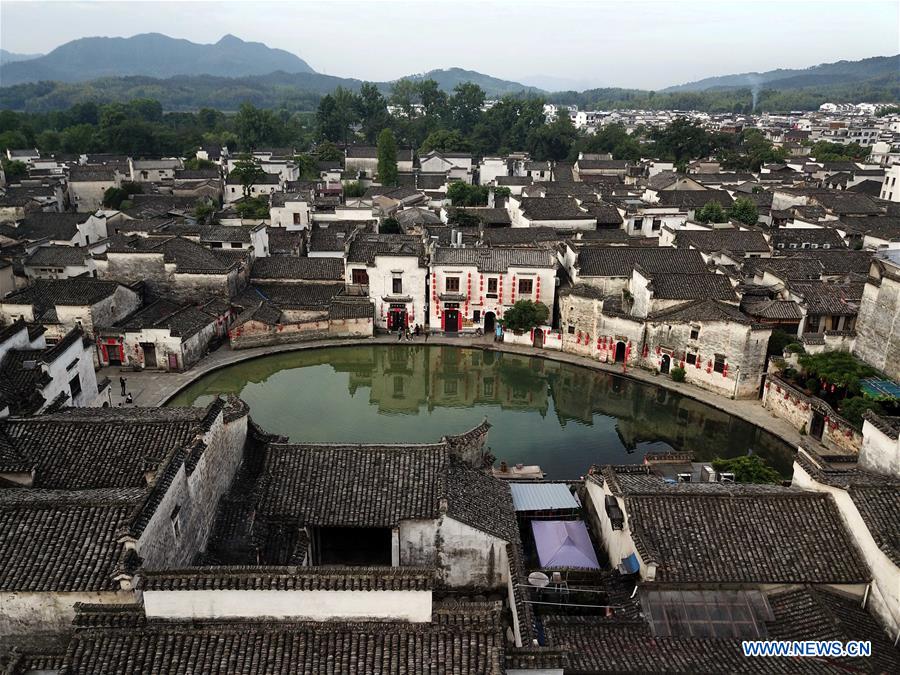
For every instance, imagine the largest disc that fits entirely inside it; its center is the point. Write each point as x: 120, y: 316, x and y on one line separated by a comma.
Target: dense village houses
x: 66, y: 229
x: 61, y: 305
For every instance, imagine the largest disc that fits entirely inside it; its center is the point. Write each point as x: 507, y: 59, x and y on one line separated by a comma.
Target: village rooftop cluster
x: 149, y: 539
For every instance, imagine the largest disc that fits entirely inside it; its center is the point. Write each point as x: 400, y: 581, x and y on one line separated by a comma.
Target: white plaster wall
x: 470, y: 557
x: 283, y: 216
x: 381, y: 277
x: 29, y: 612
x: 412, y: 606
x: 880, y: 452
x: 885, y: 574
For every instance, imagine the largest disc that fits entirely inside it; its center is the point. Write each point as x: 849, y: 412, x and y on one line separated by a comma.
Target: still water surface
x: 560, y: 416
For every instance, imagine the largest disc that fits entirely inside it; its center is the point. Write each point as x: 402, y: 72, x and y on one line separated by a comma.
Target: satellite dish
x: 538, y: 579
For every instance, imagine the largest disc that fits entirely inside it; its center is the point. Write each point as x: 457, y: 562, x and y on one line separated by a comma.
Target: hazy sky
x: 637, y: 44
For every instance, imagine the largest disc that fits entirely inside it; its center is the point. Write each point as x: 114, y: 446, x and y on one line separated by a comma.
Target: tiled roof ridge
x: 241, y: 577
x: 186, y: 455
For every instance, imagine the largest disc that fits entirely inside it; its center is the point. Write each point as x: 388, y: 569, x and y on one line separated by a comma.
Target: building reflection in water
x: 425, y: 382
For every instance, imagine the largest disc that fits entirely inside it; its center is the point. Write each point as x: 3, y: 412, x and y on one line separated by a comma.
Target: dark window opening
x: 397, y: 286
x: 719, y: 365
x: 492, y: 288
x: 695, y: 332
x: 360, y: 277
x: 525, y: 286
x: 452, y: 284
x: 352, y: 546
x: 75, y: 385
x: 692, y: 359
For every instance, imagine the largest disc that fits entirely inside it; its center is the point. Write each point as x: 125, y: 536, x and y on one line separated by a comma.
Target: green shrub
x: 812, y: 384
x: 795, y: 348
x: 678, y: 374
x: 748, y: 469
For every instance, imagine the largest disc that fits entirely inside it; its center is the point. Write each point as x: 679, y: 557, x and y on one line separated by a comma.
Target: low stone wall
x: 259, y: 334
x: 795, y: 407
x: 552, y: 338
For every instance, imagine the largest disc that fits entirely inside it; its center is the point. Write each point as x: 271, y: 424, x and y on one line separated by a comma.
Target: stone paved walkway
x: 152, y: 388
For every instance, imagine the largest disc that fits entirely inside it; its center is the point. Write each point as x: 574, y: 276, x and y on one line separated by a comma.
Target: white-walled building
x: 473, y: 287
x: 391, y: 270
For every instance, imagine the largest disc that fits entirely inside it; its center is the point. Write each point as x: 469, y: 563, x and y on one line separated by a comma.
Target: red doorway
x: 451, y: 321
x: 397, y: 318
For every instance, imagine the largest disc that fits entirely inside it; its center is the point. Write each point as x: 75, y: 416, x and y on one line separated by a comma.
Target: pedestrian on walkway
x: 122, y: 381
x: 129, y: 399
x: 426, y: 336
x: 418, y: 330
x: 399, y: 335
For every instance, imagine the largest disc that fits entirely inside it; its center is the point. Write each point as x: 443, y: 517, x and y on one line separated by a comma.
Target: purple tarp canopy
x: 564, y: 543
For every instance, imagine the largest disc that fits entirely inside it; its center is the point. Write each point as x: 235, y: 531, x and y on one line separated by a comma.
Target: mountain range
x: 825, y: 74
x: 186, y: 75
x: 154, y: 55
x: 9, y: 57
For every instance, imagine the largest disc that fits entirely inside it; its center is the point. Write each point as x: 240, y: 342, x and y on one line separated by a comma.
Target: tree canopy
x: 387, y: 158
x: 525, y: 315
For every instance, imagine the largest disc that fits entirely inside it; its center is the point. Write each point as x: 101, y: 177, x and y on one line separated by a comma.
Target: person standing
x: 122, y: 382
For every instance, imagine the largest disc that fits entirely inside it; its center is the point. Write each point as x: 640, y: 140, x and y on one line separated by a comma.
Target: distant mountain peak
x: 151, y: 55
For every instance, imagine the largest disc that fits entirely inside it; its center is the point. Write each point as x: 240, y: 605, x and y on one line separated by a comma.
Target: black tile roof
x: 460, y: 647
x: 366, y: 247
x: 787, y: 537
x: 74, y: 292
x: 669, y: 286
x: 181, y: 321
x: 553, y: 208
x: 723, y: 239
x: 55, y: 226
x: 57, y: 256
x: 828, y: 298
x: 521, y: 236
x: 290, y: 578
x: 694, y: 199
x: 704, y: 309
x: 57, y: 541
x: 785, y: 236
x: 618, y: 261
x: 495, y: 259
x: 298, y: 296
x: 354, y: 486
x: 91, y: 174
x: 291, y: 267
x: 88, y: 448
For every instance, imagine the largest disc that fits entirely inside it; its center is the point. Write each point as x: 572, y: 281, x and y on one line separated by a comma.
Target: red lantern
x: 725, y: 370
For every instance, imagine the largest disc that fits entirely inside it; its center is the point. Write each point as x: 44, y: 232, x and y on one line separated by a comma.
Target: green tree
x: 840, y: 369
x: 387, y: 158
x: 204, y: 210
x: 445, y: 140
x: 248, y: 171
x: 196, y: 163
x: 404, y: 95
x: 114, y: 197
x: 308, y: 166
x: 253, y: 208
x: 748, y: 469
x: 525, y: 315
x: 744, y: 211
x: 463, y: 194
x: 328, y: 152
x: 465, y: 106
x: 256, y: 127
x: 353, y: 189
x: 551, y: 141
x: 712, y: 212
x: 853, y: 408
x: 371, y: 109
x: 14, y: 169
x: 12, y: 140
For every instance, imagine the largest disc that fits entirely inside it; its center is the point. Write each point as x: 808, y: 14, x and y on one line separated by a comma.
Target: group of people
x: 405, y: 333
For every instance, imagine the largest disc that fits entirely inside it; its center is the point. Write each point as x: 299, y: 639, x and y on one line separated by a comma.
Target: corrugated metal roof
x: 542, y: 497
